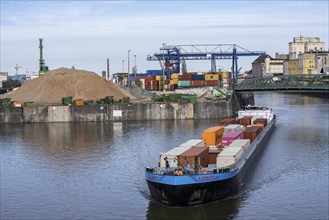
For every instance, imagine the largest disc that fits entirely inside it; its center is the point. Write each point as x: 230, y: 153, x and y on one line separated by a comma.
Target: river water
x: 96, y: 170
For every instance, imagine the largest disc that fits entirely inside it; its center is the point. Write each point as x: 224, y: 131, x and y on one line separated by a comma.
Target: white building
x: 265, y: 66
x: 302, y: 45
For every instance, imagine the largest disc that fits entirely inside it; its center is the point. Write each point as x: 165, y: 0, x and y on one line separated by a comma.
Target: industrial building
x: 307, y: 55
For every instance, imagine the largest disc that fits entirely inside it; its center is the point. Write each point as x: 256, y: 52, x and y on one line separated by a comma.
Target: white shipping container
x: 193, y: 143
x: 233, y: 127
x: 172, y: 156
x: 245, y: 143
x: 229, y: 156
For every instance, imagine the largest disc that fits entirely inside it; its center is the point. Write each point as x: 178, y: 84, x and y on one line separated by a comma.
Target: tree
x: 11, y: 84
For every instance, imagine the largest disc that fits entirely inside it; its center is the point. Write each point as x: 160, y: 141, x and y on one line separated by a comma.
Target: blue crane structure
x: 172, y: 55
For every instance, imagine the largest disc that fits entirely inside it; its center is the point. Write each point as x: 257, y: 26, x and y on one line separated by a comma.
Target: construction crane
x: 17, y: 68
x: 171, y: 56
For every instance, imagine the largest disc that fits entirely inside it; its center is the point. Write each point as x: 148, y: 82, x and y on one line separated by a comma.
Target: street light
x: 135, y: 68
x: 163, y: 63
x: 123, y: 66
x: 128, y: 68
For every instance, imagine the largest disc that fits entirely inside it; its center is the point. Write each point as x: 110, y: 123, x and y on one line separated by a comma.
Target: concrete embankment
x: 120, y: 112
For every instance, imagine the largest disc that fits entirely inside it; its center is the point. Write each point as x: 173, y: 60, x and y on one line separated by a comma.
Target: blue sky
x: 86, y: 33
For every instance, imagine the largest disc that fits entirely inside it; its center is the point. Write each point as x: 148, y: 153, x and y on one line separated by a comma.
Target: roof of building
x: 261, y: 58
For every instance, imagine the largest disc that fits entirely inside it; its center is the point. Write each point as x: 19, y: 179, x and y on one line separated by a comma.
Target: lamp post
x: 123, y: 66
x: 135, y: 67
x: 128, y: 68
x: 163, y: 63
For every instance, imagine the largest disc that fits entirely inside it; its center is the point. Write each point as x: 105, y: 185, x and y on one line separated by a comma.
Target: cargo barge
x: 214, y: 167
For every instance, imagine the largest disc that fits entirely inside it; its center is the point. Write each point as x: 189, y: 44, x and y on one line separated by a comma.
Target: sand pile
x: 55, y: 84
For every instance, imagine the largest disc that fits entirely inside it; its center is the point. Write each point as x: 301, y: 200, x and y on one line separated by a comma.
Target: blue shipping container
x: 197, y: 77
x: 154, y: 72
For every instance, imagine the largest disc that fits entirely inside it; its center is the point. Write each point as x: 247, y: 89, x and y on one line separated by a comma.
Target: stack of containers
x: 184, y: 81
x: 229, y: 137
x: 251, y: 133
x: 211, y: 79
x: 197, y: 80
x: 229, y: 156
x: 159, y: 79
x: 194, y: 156
x: 226, y: 79
x: 173, y: 82
x: 213, y: 136
x: 171, y: 156
x: 149, y: 82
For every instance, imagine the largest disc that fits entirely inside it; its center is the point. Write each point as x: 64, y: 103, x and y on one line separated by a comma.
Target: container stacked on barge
x: 212, y: 168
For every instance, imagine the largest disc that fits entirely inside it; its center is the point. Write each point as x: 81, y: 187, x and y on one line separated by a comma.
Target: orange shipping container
x: 197, y: 83
x: 17, y: 104
x: 213, y: 135
x: 211, y: 83
x: 78, y: 102
x: 260, y: 121
x: 261, y: 126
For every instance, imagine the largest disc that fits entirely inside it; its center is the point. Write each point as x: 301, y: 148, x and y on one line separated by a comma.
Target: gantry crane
x: 170, y: 56
x: 16, y: 68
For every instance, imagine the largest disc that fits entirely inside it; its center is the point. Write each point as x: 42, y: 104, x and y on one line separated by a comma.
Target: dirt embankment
x: 55, y: 84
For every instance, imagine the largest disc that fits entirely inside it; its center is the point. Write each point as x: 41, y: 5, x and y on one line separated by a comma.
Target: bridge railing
x: 315, y: 82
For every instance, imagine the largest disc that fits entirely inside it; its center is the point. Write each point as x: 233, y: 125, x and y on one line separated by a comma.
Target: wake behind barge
x: 214, y: 167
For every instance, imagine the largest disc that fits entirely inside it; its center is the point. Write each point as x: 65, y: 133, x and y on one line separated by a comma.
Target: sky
x: 84, y: 34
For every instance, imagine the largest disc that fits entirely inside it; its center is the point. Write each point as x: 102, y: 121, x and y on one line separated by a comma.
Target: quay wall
x: 121, y: 112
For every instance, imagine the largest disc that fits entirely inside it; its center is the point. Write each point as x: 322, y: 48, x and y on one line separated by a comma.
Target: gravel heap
x: 55, y: 84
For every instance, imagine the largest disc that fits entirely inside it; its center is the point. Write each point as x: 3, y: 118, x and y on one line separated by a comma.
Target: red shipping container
x: 185, y: 77
x: 262, y: 121
x: 213, y: 157
x: 246, y: 120
x: 229, y: 137
x: 251, y: 133
x: 226, y: 121
x: 173, y: 87
x: 211, y: 83
x: 197, y: 83
x: 149, y: 78
x: 236, y: 121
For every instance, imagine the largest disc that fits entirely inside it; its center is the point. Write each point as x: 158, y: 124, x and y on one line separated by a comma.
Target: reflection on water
x: 96, y: 170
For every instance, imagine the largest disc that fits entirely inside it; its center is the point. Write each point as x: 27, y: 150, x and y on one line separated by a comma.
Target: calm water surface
x: 96, y: 170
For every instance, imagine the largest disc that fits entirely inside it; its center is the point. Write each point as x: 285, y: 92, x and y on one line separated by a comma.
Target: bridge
x: 173, y: 55
x: 285, y: 83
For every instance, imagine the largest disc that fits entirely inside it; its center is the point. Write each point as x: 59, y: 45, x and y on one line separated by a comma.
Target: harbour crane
x: 17, y: 68
x: 171, y: 56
